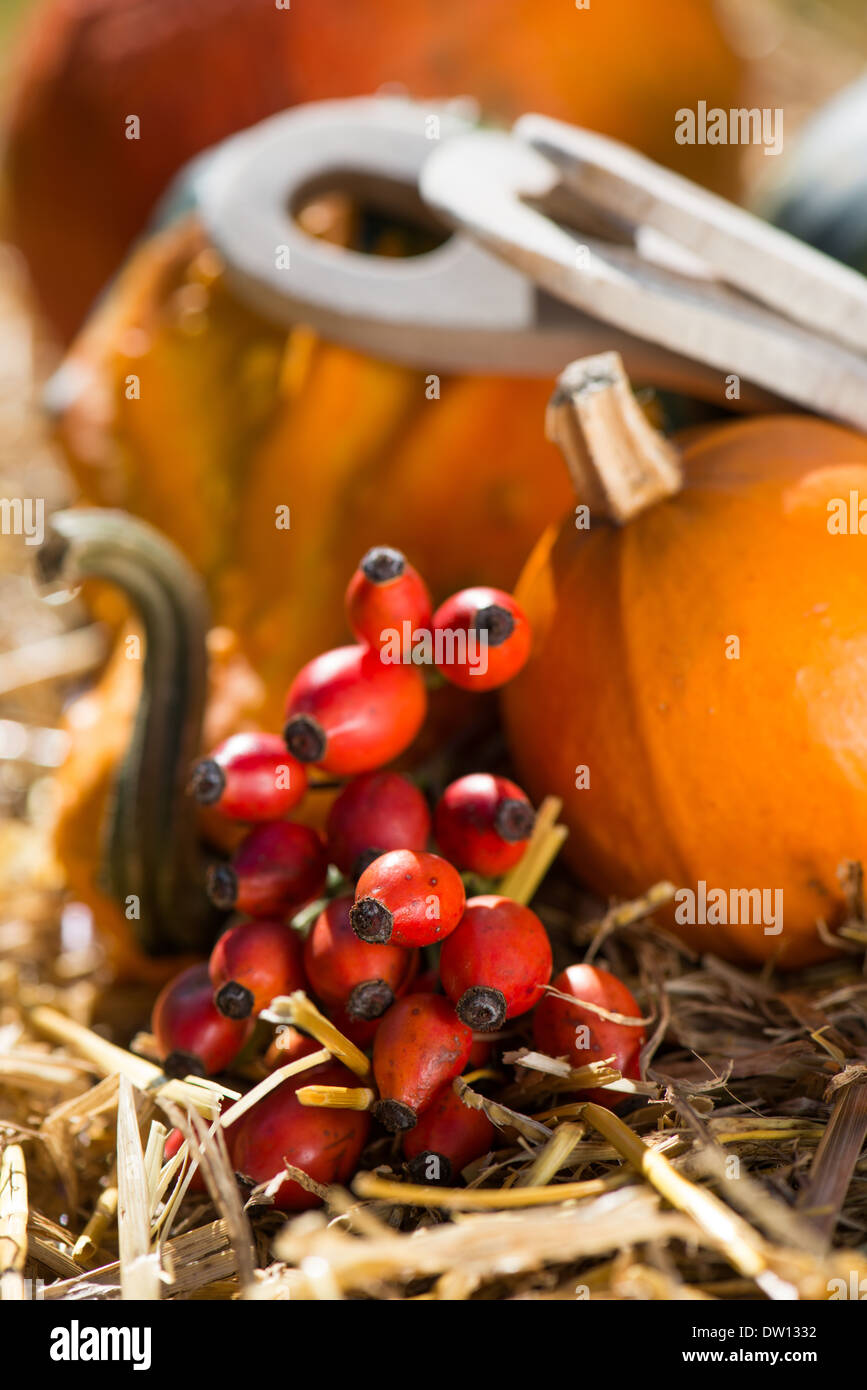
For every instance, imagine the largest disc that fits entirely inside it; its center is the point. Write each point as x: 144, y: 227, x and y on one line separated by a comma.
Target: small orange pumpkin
x: 697, y: 691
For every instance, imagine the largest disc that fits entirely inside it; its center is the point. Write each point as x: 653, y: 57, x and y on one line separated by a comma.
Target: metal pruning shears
x: 564, y: 244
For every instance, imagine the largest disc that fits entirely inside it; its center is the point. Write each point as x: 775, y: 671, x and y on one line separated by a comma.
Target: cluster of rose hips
x: 348, y: 712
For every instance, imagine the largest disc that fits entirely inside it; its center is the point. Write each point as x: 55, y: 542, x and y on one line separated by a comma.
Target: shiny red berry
x: 277, y: 868
x: 496, y: 964
x: 174, y: 1139
x: 408, y: 898
x: 325, y: 1144
x: 447, y: 1137
x: 483, y: 823
x: 192, y: 1036
x: 347, y: 973
x: 374, y: 813
x: 387, y: 601
x: 250, y: 777
x: 565, y: 1029
x: 483, y: 638
x: 349, y: 711
x: 420, y: 1045
x: 252, y: 963
x: 427, y: 982
x: 481, y: 1053
x: 360, y: 1031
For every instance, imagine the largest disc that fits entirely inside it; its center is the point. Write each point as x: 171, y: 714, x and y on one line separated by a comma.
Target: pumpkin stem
x: 151, y: 850
x: 619, y: 463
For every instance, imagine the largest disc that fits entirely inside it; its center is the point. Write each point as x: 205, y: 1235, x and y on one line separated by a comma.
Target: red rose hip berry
x: 250, y: 777
x: 427, y: 982
x: 385, y: 593
x: 447, y: 1137
x: 565, y: 1029
x: 375, y: 812
x: 325, y: 1144
x: 277, y: 868
x: 349, y: 711
x: 252, y: 963
x: 347, y: 973
x: 408, y: 899
x: 483, y: 823
x: 496, y: 964
x: 360, y: 1031
x: 419, y: 1047
x: 485, y: 636
x: 192, y: 1036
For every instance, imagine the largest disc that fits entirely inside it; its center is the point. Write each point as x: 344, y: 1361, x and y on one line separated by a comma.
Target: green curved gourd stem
x: 151, y: 849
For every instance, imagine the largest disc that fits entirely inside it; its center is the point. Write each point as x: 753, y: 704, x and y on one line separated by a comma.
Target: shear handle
x: 248, y: 191
x: 486, y: 182
x: 797, y: 281
x: 456, y: 308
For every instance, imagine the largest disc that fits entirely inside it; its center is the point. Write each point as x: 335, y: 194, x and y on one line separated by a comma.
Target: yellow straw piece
x: 302, y: 1012
x: 482, y: 1198
x: 337, y: 1097
x: 13, y: 1223
x: 547, y: 838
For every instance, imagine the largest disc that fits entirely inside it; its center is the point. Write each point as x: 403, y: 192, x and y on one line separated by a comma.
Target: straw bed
x: 734, y: 1171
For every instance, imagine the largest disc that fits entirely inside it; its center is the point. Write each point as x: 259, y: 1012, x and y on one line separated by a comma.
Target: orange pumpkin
x: 697, y: 691
x: 195, y: 71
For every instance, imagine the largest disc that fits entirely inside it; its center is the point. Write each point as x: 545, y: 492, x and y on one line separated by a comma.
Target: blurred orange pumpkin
x: 232, y: 428
x: 179, y: 405
x: 696, y: 692
x: 195, y: 71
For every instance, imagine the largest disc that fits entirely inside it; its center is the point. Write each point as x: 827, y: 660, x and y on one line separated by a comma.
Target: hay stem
x: 370, y: 1186
x: 153, y: 1158
x: 104, y: 1213
x: 271, y: 1082
x: 139, y: 1269
x: 547, y: 838
x: 554, y: 1154
x: 734, y: 1236
x: 111, y: 1060
x: 835, y: 1158
x: 13, y: 1224
x: 501, y: 1115
x: 337, y: 1097
x: 300, y: 1011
